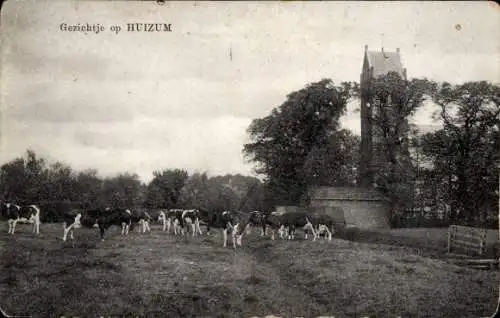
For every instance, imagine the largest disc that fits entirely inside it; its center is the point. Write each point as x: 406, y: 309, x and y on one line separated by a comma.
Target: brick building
x: 375, y: 64
x: 356, y: 207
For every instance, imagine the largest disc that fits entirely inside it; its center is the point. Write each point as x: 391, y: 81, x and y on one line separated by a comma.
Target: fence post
x: 482, y: 244
x: 449, y: 238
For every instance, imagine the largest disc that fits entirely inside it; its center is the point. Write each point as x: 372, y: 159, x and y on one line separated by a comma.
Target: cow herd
x: 179, y: 221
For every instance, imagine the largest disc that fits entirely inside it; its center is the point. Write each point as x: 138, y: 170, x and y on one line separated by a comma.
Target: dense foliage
x: 465, y: 152
x: 393, y: 100
x: 284, y: 142
x: 56, y: 187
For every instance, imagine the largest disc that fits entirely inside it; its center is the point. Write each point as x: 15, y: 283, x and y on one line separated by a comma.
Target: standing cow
x: 175, y: 219
x: 191, y: 218
x: 227, y: 221
x: 104, y: 218
x: 142, y: 218
x: 162, y: 219
x: 293, y: 220
x: 322, y: 223
x: 237, y: 222
x: 14, y: 213
x: 274, y: 221
x: 257, y: 219
x: 117, y: 217
x: 74, y: 219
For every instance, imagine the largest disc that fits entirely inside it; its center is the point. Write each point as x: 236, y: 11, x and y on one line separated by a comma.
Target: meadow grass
x: 160, y: 275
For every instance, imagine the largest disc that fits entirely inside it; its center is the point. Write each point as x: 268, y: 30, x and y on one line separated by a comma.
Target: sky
x: 145, y: 101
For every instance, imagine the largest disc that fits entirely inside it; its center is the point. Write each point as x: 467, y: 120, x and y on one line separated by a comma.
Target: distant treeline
x: 56, y: 187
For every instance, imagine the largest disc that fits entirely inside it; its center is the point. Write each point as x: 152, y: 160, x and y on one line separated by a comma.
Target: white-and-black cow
x: 143, y: 218
x: 191, y: 218
x: 174, y: 218
x: 75, y: 219
x: 118, y: 217
x: 257, y: 219
x: 274, y: 222
x: 236, y: 222
x: 323, y: 223
x: 293, y: 220
x: 14, y: 213
x: 162, y: 219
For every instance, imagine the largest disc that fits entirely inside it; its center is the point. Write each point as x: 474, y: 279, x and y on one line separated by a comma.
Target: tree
x: 34, y: 168
x: 195, y: 191
x: 164, y: 190
x: 23, y: 179
x: 283, y: 140
x: 392, y: 100
x: 12, y: 176
x: 465, y: 152
x: 124, y: 190
x: 221, y: 196
x: 336, y: 163
x: 249, y: 191
x: 61, y: 183
x: 89, y: 188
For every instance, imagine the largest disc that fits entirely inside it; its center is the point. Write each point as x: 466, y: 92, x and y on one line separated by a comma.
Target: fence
x: 466, y: 240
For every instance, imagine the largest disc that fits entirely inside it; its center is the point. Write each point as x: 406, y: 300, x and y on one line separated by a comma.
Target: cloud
x: 141, y: 146
x: 140, y: 101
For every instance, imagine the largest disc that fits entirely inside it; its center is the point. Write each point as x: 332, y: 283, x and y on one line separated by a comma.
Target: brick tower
x: 375, y: 64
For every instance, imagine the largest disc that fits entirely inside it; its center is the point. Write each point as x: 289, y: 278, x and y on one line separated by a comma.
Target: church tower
x: 375, y: 64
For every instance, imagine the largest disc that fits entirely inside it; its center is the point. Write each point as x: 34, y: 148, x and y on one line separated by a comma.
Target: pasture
x: 160, y: 275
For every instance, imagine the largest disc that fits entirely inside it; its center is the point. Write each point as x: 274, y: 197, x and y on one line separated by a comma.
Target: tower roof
x: 384, y: 62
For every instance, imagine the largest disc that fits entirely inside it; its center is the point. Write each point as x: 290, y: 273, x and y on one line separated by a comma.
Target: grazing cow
x: 154, y: 214
x: 14, y: 213
x: 170, y: 216
x: 293, y: 220
x: 74, y: 219
x: 240, y: 222
x: 323, y: 223
x: 206, y: 218
x: 117, y: 217
x: 237, y: 222
x: 103, y: 218
x: 162, y: 219
x: 256, y: 219
x: 274, y: 222
x: 192, y: 218
x: 322, y: 230
x: 145, y: 221
x: 174, y: 218
x: 143, y: 218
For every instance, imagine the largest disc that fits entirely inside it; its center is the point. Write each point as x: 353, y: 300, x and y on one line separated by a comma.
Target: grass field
x: 431, y: 242
x: 159, y: 275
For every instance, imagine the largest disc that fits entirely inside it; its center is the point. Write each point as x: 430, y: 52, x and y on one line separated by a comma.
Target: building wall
x: 361, y: 214
x: 288, y: 208
x: 337, y: 213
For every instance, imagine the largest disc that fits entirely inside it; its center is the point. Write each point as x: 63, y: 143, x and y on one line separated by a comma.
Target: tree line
x: 57, y: 187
